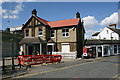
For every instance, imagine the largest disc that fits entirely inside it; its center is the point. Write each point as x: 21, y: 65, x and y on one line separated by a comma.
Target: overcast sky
x: 96, y: 15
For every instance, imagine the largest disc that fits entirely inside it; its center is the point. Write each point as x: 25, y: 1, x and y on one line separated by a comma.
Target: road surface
x: 108, y: 67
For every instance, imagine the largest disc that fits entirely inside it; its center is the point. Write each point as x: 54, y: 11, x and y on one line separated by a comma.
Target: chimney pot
x: 112, y: 26
x: 34, y: 12
x: 77, y: 15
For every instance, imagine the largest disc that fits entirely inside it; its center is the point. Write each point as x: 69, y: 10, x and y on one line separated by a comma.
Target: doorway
x: 49, y: 49
x: 30, y: 50
x: 94, y: 52
x: 99, y: 51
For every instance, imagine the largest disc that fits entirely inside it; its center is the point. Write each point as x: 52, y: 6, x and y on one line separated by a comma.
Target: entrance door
x: 50, y: 49
x: 30, y: 50
x: 99, y: 51
x: 94, y: 51
x: 65, y: 48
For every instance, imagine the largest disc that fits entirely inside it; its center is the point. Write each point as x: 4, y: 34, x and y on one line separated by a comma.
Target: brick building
x: 47, y: 37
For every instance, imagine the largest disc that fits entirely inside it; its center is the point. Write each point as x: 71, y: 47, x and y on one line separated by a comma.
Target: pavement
x: 62, y: 68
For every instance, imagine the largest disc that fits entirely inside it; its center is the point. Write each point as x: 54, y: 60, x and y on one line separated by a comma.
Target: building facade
x: 16, y: 30
x: 47, y: 37
x: 101, y: 48
x: 104, y: 43
x: 108, y: 33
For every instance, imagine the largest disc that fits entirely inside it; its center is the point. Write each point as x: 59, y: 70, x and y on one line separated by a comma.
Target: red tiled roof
x: 61, y: 23
x: 43, y: 20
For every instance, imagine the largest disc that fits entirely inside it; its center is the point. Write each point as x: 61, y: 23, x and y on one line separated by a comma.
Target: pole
x: 12, y: 53
x: 3, y: 66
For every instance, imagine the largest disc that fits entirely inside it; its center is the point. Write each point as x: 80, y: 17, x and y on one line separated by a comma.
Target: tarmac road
x: 108, y: 67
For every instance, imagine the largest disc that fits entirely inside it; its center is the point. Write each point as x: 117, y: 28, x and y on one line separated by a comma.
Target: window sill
x: 65, y: 36
x: 52, y: 37
x: 40, y: 35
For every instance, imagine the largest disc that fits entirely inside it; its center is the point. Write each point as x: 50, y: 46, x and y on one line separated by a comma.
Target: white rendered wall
x: 103, y: 34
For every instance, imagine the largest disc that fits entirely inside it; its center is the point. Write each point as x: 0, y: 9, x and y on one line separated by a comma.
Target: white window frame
x: 53, y: 33
x: 40, y: 32
x: 65, y: 33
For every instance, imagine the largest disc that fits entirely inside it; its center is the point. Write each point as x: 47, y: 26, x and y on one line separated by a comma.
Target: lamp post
x: 12, y: 40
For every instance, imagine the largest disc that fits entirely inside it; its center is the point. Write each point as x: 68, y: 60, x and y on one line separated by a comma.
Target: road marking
x: 116, y: 77
x: 60, y: 68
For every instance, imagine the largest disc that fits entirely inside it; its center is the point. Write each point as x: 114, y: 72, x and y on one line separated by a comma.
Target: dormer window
x: 40, y: 31
x: 52, y: 33
x: 27, y: 33
x: 65, y: 33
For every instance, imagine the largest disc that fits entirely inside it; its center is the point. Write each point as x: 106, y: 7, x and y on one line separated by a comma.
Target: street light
x: 12, y: 48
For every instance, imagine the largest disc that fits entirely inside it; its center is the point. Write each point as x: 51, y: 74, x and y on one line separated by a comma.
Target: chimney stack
x: 77, y: 15
x: 34, y: 12
x: 112, y: 26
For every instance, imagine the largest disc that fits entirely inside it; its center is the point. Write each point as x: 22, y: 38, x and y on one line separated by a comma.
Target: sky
x: 96, y: 15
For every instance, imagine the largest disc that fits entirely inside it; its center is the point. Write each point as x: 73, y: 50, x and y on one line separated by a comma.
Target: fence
x: 66, y: 55
x: 38, y: 59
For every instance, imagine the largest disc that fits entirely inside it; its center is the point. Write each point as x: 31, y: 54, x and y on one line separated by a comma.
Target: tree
x: 7, y: 29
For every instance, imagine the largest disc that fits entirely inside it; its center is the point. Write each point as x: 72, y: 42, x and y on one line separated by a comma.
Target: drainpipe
x: 56, y: 41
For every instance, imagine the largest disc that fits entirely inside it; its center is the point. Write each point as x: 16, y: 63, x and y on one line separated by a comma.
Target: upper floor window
x: 27, y: 33
x: 30, y: 23
x: 36, y: 22
x: 65, y: 32
x: 52, y: 33
x: 40, y: 31
x: 107, y: 32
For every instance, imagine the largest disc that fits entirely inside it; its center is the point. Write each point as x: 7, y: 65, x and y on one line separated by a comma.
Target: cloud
x: 13, y: 17
x: 4, y: 10
x: 87, y: 36
x: 5, y: 16
x: 89, y: 22
x: 13, y: 14
x: 18, y: 8
x: 90, y: 31
x: 112, y: 19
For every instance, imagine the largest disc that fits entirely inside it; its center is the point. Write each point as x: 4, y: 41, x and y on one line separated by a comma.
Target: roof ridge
x: 41, y: 18
x: 63, y: 19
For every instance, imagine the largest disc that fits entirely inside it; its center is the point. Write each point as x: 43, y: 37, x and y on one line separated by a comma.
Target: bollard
x: 19, y: 62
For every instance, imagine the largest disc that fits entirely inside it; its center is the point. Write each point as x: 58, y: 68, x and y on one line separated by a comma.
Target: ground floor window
x: 115, y: 48
x: 105, y: 50
x: 118, y: 48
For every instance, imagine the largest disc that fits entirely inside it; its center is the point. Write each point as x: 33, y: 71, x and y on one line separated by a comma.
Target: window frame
x: 52, y: 33
x: 65, y: 32
x: 115, y: 49
x: 40, y: 32
x: 107, y: 31
x: 26, y: 34
x: 118, y: 48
